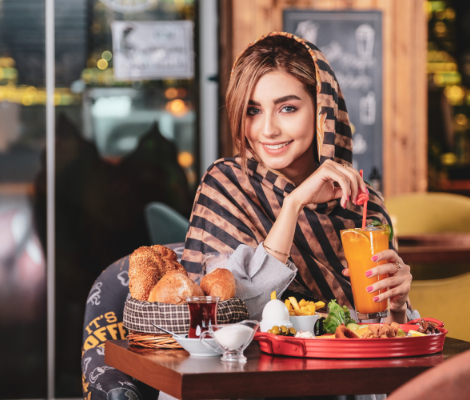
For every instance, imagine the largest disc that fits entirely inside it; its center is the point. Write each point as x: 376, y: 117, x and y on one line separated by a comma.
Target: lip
x: 276, y: 152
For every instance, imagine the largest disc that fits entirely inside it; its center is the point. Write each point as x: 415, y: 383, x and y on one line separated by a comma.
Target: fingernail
x: 375, y: 258
x: 376, y: 298
x: 369, y: 289
x: 368, y: 273
x: 348, y: 197
x: 367, y: 190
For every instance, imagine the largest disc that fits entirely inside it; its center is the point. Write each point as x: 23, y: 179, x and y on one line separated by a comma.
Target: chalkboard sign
x: 352, y: 43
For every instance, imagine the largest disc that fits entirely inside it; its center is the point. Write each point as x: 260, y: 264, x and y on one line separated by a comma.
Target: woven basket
x: 139, y: 316
x: 152, y: 341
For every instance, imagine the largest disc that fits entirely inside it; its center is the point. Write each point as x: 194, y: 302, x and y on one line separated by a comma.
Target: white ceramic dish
x: 196, y: 348
x: 266, y: 325
x: 304, y: 322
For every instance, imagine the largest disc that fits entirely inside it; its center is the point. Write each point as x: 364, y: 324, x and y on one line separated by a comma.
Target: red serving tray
x: 355, y: 348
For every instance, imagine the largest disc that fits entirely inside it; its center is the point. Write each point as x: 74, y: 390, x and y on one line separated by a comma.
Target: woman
x: 291, y: 189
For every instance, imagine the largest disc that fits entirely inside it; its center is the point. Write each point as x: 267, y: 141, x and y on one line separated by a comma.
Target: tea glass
x: 231, y: 339
x: 202, y: 314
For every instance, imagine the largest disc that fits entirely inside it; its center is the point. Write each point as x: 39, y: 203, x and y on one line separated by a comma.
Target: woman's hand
x: 398, y: 282
x: 320, y: 186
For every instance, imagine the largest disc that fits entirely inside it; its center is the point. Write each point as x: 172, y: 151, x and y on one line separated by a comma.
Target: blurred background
x: 139, y: 110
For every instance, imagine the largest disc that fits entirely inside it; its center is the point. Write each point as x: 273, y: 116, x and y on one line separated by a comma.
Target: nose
x: 270, y: 127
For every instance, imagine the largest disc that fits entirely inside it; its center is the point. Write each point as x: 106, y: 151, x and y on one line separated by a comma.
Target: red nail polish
x: 376, y: 298
x: 375, y: 258
x: 367, y: 190
x: 368, y: 273
x: 348, y: 197
x: 369, y: 288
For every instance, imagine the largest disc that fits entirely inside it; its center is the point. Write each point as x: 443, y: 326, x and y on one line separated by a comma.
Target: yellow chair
x: 416, y: 213
x: 447, y: 300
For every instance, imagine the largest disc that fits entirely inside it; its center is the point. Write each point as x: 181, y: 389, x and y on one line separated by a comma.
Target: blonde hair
x: 267, y: 55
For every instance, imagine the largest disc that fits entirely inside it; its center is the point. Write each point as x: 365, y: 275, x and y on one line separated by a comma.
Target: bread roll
x: 173, y: 288
x: 144, y: 272
x: 219, y: 282
x: 147, y: 265
x: 164, y: 252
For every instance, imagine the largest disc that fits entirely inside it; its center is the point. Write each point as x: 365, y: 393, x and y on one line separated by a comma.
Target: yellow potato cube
x: 273, y: 295
x: 302, y: 303
x: 288, y: 305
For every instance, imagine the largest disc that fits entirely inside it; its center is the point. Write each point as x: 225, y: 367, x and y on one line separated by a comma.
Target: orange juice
x: 359, y: 247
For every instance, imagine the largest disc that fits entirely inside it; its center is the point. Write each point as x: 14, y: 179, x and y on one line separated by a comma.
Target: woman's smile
x: 276, y: 148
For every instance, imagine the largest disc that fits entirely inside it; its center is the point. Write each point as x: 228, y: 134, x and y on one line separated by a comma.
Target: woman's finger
x: 349, y: 172
x: 389, y: 255
x: 331, y: 173
x: 345, y: 272
x: 392, y: 281
x: 389, y: 268
x: 400, y: 292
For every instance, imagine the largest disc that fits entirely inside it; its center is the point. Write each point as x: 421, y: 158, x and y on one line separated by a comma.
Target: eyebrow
x: 286, y: 98
x: 276, y: 101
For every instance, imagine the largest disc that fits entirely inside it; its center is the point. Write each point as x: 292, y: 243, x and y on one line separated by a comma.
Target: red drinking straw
x: 362, y: 200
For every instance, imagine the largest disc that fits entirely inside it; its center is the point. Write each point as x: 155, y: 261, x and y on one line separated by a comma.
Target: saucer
x: 196, y: 348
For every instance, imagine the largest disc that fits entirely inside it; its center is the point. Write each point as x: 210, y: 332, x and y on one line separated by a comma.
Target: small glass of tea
x: 202, y: 314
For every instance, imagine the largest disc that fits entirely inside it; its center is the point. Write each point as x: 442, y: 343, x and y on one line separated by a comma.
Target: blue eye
x: 252, y: 111
x: 289, y: 109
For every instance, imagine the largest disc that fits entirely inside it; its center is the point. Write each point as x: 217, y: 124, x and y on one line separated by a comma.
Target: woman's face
x: 280, y: 124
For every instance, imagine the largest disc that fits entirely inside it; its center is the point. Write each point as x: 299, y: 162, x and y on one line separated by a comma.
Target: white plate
x: 196, y: 348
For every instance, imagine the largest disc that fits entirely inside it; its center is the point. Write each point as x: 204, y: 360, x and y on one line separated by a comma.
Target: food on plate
x: 220, y: 282
x: 353, y: 326
x: 304, y: 335
x: 416, y: 333
x: 427, y: 327
x: 282, y: 330
x: 303, y: 307
x: 337, y: 316
x: 173, y: 288
x: 147, y: 265
x: 372, y: 331
x: 342, y: 332
x: 381, y: 331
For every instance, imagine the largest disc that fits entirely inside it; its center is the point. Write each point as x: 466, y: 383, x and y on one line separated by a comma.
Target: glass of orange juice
x: 359, y: 247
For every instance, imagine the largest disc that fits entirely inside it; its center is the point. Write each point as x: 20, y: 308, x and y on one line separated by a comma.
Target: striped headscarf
x: 233, y: 208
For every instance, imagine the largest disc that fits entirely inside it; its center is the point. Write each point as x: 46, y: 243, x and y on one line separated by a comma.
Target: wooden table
x: 176, y: 373
x: 435, y: 247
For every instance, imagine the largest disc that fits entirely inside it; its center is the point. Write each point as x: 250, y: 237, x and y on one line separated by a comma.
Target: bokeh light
x: 461, y: 119
x: 171, y: 93
x: 185, y: 159
x: 177, y: 107
x: 448, y: 158
x: 107, y: 55
x: 102, y: 64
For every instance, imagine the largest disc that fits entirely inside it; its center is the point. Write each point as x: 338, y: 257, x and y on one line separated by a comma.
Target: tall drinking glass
x: 359, y: 247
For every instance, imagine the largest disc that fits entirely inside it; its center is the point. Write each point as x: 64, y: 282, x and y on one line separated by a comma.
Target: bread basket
x: 139, y: 316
